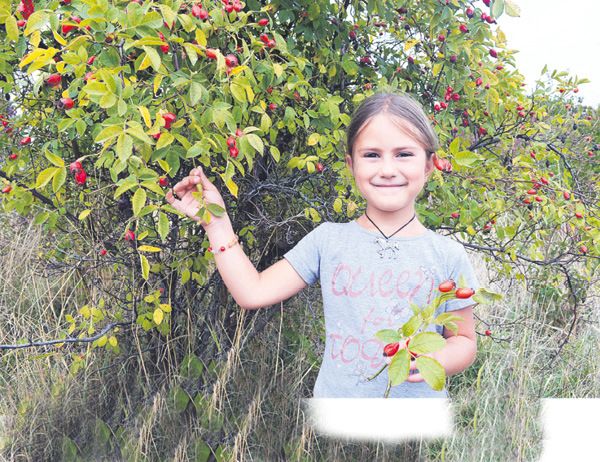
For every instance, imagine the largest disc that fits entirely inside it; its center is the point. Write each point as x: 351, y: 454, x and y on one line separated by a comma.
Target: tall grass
x: 142, y: 405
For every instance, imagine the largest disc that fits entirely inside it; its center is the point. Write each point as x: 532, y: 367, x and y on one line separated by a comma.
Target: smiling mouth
x: 390, y: 186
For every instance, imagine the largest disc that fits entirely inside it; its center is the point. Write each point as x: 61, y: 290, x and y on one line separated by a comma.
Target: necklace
x: 392, y: 249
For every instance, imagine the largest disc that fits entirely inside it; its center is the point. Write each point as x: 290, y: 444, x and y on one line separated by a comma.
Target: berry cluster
x: 80, y: 174
x: 234, y: 5
x: 232, y: 143
x: 199, y: 12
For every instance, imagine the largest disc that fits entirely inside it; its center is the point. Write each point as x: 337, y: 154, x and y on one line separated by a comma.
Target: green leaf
x: 432, y: 371
x: 486, y: 296
x: 165, y: 139
x: 154, y: 57
x: 427, y: 342
x: 124, y: 147
x: 163, y: 226
x: 108, y: 133
x: 256, y: 142
x: 145, y: 266
x: 136, y: 129
x: 411, y: 325
x: 497, y: 8
x: 126, y: 185
x: 215, y: 209
x: 35, y: 21
x: 238, y: 92
x: 467, y: 158
x: 181, y: 399
x: 399, y: 368
x: 12, y: 30
x: 45, y: 176
x: 54, y: 158
x: 388, y: 336
x: 138, y: 201
x: 59, y: 179
x: 195, y: 93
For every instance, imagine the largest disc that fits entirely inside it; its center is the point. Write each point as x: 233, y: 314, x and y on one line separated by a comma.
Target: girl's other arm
x: 460, y: 350
x: 250, y: 289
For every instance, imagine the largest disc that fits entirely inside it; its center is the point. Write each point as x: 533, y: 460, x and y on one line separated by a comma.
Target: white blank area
x: 380, y: 419
x: 570, y: 429
x: 563, y: 35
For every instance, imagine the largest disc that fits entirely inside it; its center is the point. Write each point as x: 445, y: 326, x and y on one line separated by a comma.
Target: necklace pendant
x: 389, y: 250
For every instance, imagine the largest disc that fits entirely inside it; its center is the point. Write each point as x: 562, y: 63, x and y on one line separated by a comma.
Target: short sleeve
x: 461, y: 265
x: 305, y: 256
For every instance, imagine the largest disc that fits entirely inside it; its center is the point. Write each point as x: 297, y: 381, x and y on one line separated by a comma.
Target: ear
x: 349, y: 162
x: 429, y: 167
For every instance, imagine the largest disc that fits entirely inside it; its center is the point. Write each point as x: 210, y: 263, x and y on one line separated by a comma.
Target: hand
x: 413, y: 365
x: 188, y: 204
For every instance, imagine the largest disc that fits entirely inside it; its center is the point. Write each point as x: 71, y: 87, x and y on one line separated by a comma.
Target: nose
x: 388, y: 167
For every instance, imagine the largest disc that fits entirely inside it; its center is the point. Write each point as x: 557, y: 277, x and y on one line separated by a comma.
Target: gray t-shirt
x: 364, y: 292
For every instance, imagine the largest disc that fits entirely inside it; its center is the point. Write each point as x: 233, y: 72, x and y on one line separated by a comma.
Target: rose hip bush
x: 132, y: 95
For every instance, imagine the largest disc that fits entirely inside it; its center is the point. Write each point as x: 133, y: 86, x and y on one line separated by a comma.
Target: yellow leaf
x: 145, y: 63
x: 148, y: 248
x: 145, y: 115
x: 84, y: 214
x: 200, y: 37
x: 278, y: 68
x: 157, y: 81
x: 313, y: 139
x: 112, y: 340
x: 102, y: 341
x: 145, y: 267
x: 165, y: 307
x: 59, y: 39
x: 410, y: 43
x: 158, y: 316
x: 233, y: 188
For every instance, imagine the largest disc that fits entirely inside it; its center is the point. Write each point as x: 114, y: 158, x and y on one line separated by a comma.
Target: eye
x: 401, y: 154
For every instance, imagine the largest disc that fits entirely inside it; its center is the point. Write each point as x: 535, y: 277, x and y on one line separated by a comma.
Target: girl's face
x: 385, y: 154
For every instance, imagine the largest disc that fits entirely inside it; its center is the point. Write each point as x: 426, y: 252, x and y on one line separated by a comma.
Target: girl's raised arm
x: 248, y: 288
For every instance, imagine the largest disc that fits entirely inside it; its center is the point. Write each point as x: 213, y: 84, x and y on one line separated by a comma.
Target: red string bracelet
x: 221, y: 249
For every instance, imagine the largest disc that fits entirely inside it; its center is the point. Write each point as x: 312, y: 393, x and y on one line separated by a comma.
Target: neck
x: 389, y: 224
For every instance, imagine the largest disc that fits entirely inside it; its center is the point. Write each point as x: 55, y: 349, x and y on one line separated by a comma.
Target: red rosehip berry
x: 455, y: 215
x: 463, y: 28
x: 25, y: 140
x: 391, y: 349
x: 579, y: 214
x: 493, y: 53
x: 163, y: 181
x: 231, y: 142
x: 320, y: 167
x: 239, y: 132
x: 447, y: 286
x: 231, y: 60
x: 464, y: 292
x: 583, y: 249
x: 272, y: 106
x: 80, y: 177
x: 129, y: 235
x: 54, y: 80
x: 479, y: 81
x: 67, y: 103
x: 75, y: 167
x: 13, y: 156
x: 488, y: 332
x: 103, y: 252
x: 165, y: 48
x: 21, y: 23
x: 566, y: 195
x: 91, y: 60
x: 7, y: 189
x: 234, y: 151
x: 263, y: 22
x: 169, y: 118
x: 211, y: 53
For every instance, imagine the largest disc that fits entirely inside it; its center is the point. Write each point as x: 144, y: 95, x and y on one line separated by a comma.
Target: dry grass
x: 249, y: 408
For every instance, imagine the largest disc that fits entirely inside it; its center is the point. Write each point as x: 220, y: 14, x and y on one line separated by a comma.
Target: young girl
x: 369, y: 268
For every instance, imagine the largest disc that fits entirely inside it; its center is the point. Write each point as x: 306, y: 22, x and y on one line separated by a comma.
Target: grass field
x: 143, y: 405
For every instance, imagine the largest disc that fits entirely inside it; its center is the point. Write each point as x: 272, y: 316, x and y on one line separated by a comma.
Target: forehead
x: 385, y: 128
